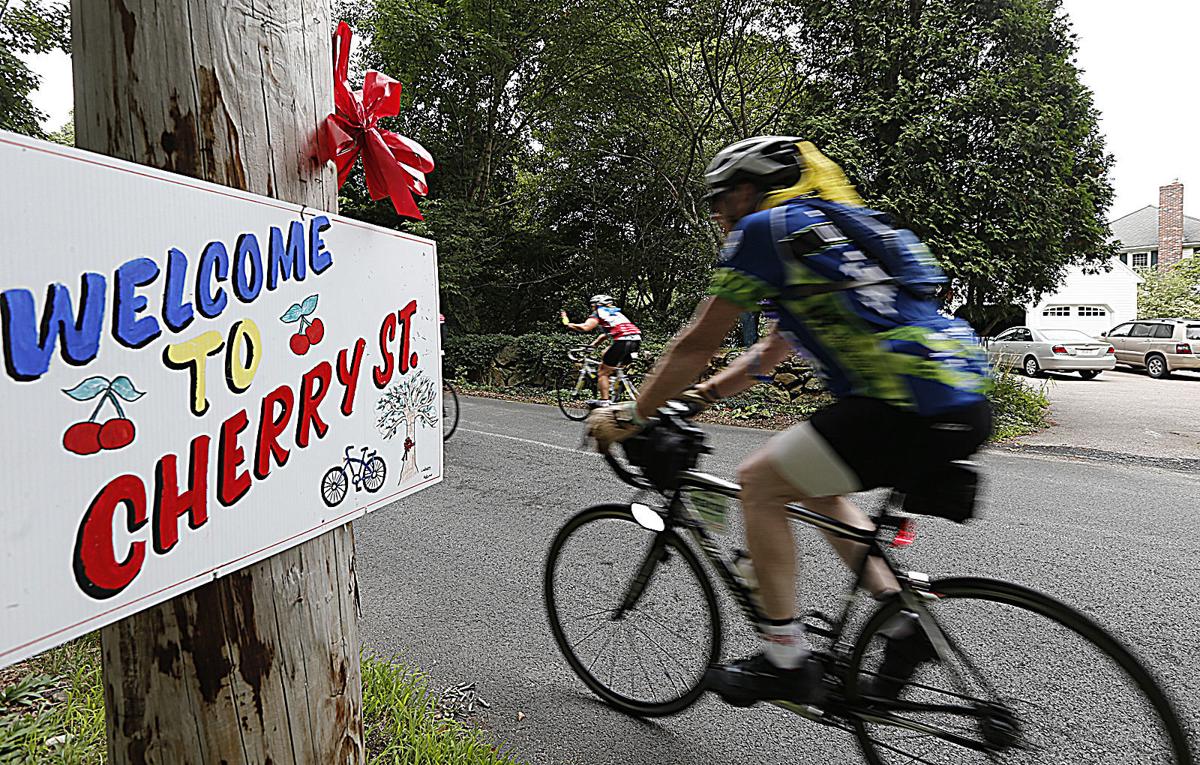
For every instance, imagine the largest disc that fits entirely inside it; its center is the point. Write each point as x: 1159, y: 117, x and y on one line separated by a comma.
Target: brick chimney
x: 1170, y: 224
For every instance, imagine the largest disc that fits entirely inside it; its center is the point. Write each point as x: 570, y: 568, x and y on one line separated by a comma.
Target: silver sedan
x: 1062, y: 350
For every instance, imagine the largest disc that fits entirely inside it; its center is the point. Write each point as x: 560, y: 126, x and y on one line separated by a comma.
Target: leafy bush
x: 1173, y: 291
x: 1018, y: 407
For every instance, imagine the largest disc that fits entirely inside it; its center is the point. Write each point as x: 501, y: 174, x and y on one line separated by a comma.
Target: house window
x: 1141, y: 260
x: 1124, y: 256
x: 1057, y: 310
x: 1092, y: 310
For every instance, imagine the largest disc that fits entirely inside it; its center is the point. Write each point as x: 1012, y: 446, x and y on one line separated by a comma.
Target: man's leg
x: 782, y: 670
x: 602, y: 380
x: 765, y: 493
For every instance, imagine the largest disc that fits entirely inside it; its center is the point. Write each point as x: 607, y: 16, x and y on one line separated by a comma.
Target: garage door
x: 1091, y: 319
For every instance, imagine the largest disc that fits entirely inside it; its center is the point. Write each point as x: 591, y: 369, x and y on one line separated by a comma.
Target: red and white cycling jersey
x: 618, y: 326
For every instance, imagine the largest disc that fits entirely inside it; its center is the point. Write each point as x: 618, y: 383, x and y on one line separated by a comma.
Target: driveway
x: 1126, y: 413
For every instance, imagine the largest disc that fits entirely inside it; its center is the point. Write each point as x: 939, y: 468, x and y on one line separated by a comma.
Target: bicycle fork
x: 654, y: 556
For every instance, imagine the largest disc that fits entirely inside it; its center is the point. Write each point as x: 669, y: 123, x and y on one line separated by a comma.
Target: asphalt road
x: 1126, y: 412
x: 451, y: 582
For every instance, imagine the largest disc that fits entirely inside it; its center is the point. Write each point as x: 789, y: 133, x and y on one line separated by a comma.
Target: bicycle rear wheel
x: 643, y: 650
x: 575, y: 388
x: 449, y: 410
x: 1028, y: 680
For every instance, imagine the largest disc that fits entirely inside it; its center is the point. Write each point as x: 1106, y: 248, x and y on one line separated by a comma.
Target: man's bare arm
x: 688, y: 354
x: 760, y: 359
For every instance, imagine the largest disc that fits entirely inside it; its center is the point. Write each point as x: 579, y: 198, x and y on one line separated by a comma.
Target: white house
x: 1152, y: 237
x: 1091, y: 302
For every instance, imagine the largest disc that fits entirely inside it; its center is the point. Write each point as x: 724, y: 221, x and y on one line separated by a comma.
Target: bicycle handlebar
x: 579, y: 354
x: 667, y: 447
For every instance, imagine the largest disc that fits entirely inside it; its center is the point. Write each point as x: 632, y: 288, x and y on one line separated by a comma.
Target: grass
x: 52, y: 713
x: 52, y: 707
x: 406, y: 725
x: 1019, y: 407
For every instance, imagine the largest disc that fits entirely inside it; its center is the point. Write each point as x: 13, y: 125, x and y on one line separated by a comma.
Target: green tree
x: 1173, y: 291
x: 65, y: 134
x: 27, y: 26
x: 967, y: 120
x: 571, y: 137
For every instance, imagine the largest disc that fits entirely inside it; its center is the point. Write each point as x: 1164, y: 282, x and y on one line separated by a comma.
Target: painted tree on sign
x: 411, y: 401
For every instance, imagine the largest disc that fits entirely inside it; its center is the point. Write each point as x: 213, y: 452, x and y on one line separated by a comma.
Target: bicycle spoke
x: 588, y: 636
x: 602, y: 649
x: 661, y: 650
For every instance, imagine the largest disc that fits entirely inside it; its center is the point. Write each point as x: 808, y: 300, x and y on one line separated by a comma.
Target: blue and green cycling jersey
x: 876, y: 339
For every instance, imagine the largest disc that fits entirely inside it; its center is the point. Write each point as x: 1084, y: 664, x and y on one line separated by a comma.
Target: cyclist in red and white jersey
x: 626, y: 338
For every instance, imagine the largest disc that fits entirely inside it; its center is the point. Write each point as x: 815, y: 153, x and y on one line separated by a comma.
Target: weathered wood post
x: 261, y: 665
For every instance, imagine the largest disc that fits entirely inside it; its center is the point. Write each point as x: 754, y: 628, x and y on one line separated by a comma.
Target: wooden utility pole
x: 261, y: 666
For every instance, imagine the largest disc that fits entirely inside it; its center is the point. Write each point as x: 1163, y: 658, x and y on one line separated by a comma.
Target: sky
x: 1140, y: 59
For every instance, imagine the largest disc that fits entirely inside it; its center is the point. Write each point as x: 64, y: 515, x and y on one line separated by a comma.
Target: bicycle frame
x: 590, y: 367
x: 356, y: 474
x: 913, y: 591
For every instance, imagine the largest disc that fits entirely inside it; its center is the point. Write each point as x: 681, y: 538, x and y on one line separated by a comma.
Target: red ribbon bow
x: 395, y: 165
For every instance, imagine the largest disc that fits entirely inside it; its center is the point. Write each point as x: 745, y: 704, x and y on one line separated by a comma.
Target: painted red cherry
x: 315, y: 331
x: 82, y: 438
x: 116, y: 433
x: 299, y: 343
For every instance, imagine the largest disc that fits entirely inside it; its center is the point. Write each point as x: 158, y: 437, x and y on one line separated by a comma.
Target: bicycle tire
x: 1038, y: 604
x: 691, y: 691
x: 374, y: 474
x: 449, y: 410
x: 569, y: 399
x: 335, y: 484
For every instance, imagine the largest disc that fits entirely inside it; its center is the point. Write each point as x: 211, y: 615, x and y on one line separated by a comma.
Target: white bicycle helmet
x: 768, y: 161
x: 601, y: 300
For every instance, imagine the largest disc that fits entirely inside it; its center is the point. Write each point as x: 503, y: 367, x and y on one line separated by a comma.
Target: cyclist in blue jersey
x: 910, y: 384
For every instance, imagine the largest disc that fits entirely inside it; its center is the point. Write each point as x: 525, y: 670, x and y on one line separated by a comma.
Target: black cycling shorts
x: 864, y: 443
x: 621, y: 352
x: 887, y: 446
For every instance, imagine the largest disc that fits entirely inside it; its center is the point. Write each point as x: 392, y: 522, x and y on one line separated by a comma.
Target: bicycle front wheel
x: 632, y: 610
x: 1027, y: 680
x: 575, y: 388
x: 449, y: 410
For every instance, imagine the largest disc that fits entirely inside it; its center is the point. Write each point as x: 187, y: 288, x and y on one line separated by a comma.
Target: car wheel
x: 1156, y: 367
x: 1031, y: 367
x: 1090, y: 374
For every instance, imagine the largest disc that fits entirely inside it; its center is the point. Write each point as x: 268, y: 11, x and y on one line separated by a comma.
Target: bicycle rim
x: 1072, y: 691
x: 572, y: 393
x: 650, y: 662
x: 449, y: 410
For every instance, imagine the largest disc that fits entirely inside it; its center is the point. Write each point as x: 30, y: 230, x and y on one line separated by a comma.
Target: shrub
x: 1018, y: 408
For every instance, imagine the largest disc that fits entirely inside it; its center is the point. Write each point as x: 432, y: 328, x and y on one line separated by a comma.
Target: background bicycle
x: 636, y: 615
x: 449, y: 409
x: 578, y: 385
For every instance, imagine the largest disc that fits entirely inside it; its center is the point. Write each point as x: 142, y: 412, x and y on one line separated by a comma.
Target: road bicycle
x: 366, y: 472
x: 449, y: 410
x: 578, y: 385
x: 1019, y: 676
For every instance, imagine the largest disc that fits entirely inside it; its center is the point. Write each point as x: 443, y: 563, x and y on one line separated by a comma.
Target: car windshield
x: 1193, y: 332
x: 1067, y: 336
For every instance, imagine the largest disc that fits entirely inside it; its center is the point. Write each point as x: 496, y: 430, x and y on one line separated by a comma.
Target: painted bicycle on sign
x: 365, y: 472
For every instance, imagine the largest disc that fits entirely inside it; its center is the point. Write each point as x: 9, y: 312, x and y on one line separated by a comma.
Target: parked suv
x: 1161, y: 346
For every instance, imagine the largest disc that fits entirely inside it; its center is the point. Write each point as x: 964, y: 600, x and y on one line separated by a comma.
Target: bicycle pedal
x: 815, y: 630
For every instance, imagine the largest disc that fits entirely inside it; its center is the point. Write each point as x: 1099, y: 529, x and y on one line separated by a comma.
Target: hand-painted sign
x: 195, y: 378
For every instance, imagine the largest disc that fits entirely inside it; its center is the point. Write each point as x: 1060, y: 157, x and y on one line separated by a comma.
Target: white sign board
x: 195, y: 378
